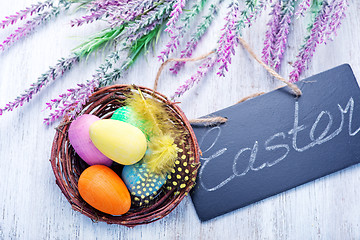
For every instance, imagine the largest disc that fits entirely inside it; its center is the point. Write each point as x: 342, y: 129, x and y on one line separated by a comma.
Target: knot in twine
x: 219, y: 120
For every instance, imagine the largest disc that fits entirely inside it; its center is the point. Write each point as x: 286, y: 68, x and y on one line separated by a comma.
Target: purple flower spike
x: 195, y: 38
x: 52, y: 74
x: 303, y: 7
x: 282, y: 35
x: 186, y: 53
x: 28, y: 27
x: 174, y: 32
x: 72, y: 101
x: 315, y: 38
x: 170, y: 46
x: 98, y: 9
x: 271, y: 34
x: 229, y: 38
x: 202, y: 71
x: 252, y: 16
x: 338, y: 14
x: 124, y: 11
x: 88, y: 18
x: 29, y: 11
x: 174, y: 15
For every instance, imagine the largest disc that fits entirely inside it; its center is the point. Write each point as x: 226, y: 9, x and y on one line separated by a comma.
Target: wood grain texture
x: 31, y: 205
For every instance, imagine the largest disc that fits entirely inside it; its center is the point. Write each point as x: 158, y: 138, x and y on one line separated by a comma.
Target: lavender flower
x: 99, y: 4
x: 195, y: 38
x: 316, y: 36
x: 201, y: 72
x: 170, y: 47
x: 174, y: 15
x: 146, y: 23
x: 303, y: 7
x: 52, y: 74
x: 229, y: 38
x: 28, y: 27
x: 88, y: 18
x: 281, y: 37
x: 137, y: 33
x: 129, y: 11
x: 98, y: 9
x: 338, y: 14
x: 73, y: 100
x: 235, y: 22
x: 115, y: 12
x: 180, y: 31
x: 255, y: 11
x: 271, y: 34
x: 22, y: 14
x: 172, y: 29
x: 135, y: 23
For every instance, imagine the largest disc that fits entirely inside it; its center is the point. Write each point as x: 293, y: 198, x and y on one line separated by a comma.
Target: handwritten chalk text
x: 282, y: 148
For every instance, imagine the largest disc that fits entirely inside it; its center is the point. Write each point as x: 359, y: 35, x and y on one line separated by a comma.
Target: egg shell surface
x: 140, y: 181
x: 104, y: 190
x: 80, y: 140
x: 126, y: 114
x: 119, y: 141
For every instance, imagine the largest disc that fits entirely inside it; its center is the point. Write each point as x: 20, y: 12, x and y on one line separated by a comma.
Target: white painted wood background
x: 32, y: 206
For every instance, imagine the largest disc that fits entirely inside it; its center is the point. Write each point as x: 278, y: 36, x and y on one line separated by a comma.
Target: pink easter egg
x: 80, y: 140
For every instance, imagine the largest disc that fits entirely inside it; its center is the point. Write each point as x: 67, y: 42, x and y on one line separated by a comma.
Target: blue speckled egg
x: 142, y: 184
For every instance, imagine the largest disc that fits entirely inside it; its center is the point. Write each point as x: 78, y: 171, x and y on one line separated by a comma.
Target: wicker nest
x: 67, y: 165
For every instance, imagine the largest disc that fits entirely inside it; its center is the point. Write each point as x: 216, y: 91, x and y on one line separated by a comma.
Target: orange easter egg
x: 104, y: 190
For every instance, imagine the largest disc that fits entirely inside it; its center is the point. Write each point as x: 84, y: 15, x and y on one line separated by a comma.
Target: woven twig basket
x: 67, y: 166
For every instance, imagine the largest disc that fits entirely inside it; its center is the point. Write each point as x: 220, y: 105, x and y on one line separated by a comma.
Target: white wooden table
x: 32, y: 206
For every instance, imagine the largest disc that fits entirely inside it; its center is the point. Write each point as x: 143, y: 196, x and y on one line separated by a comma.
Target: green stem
x: 143, y: 43
x: 98, y: 41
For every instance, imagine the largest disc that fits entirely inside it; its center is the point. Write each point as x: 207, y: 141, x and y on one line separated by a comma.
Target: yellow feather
x: 162, y: 131
x: 152, y: 111
x: 163, y: 154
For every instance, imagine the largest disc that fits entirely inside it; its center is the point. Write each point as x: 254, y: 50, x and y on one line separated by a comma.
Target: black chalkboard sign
x: 276, y: 142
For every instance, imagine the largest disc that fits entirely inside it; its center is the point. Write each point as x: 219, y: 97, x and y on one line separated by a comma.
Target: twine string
x: 161, y: 68
x: 250, y: 96
x: 209, y: 121
x: 219, y: 120
x: 294, y: 88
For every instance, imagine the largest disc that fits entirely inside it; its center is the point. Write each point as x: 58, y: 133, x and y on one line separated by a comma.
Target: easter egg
x: 126, y: 114
x: 104, y: 190
x: 80, y: 140
x: 119, y: 141
x: 142, y: 183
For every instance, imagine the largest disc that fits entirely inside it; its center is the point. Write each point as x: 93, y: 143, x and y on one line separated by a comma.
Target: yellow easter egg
x: 119, y: 141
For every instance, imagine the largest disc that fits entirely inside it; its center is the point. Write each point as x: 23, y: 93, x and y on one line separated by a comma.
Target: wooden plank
x: 31, y: 205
